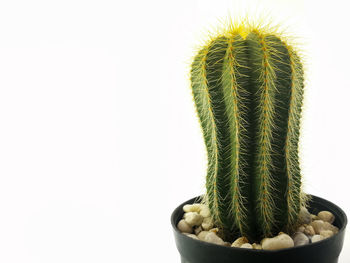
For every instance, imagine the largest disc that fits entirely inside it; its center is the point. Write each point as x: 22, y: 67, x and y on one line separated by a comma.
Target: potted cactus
x: 247, y: 84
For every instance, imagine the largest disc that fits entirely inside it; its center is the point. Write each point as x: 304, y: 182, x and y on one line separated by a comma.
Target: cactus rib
x: 234, y: 81
x: 294, y: 199
x: 205, y: 113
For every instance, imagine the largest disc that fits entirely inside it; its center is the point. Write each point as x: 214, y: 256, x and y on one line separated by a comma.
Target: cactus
x: 247, y: 85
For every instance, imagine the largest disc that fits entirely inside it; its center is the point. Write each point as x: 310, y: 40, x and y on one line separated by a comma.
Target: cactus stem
x: 265, y: 111
x: 231, y: 86
x: 247, y: 85
x: 291, y: 145
x: 205, y: 112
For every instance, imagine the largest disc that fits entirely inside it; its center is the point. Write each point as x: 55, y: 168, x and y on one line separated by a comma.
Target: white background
x: 99, y: 140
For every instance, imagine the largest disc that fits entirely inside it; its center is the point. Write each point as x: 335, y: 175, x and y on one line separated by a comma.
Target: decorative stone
x: 326, y: 216
x: 300, y: 239
x: 193, y: 218
x: 239, y: 242
x: 320, y: 225
x: 309, y: 230
x: 316, y: 238
x: 184, y: 227
x: 197, y: 230
x: 213, y: 238
x: 256, y: 246
x: 207, y: 223
x: 326, y: 233
x: 218, y: 232
x: 304, y: 216
x: 202, y: 235
x: 328, y: 226
x: 247, y: 245
x: 192, y: 208
x: 205, y: 212
x: 277, y: 242
x: 314, y: 217
x: 214, y: 230
x: 301, y: 229
x: 191, y: 236
x: 201, y: 209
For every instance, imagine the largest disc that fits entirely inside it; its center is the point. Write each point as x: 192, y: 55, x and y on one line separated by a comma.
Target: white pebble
x: 331, y: 227
x: 193, y: 218
x: 256, y: 246
x: 214, y: 230
x: 309, y: 230
x: 205, y: 212
x: 192, y: 208
x: 278, y: 242
x: 326, y: 233
x: 201, y: 209
x: 301, y: 229
x: 184, y: 227
x: 326, y: 216
x: 207, y: 223
x: 320, y: 225
x: 192, y: 236
x: 304, y: 216
x: 213, y: 238
x: 202, y: 235
x: 217, y: 232
x: 239, y: 242
x: 300, y: 239
x: 197, y: 230
x: 314, y: 217
x: 316, y: 238
x: 247, y: 245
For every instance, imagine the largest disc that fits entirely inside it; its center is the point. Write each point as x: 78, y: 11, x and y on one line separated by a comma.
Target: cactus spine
x: 248, y: 88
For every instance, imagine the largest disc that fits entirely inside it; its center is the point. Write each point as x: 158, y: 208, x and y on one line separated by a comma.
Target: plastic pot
x: 325, y: 251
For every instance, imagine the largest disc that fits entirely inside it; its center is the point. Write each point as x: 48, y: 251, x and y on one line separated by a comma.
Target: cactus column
x: 248, y: 94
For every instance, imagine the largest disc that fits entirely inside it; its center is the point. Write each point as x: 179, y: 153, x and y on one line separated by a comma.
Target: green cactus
x: 247, y: 86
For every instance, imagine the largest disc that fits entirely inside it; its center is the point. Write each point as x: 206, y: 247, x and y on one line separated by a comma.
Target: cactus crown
x: 247, y: 86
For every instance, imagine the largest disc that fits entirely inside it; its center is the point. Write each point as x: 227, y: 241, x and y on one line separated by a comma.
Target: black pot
x: 325, y: 251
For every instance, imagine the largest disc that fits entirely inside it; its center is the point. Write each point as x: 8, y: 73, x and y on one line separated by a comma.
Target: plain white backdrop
x: 99, y: 140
